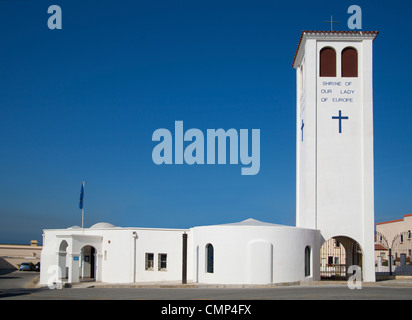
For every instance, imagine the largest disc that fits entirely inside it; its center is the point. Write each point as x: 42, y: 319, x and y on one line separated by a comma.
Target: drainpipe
x: 184, y: 259
x: 134, y: 235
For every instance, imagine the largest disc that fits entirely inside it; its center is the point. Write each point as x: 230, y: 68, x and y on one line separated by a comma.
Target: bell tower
x: 334, y: 141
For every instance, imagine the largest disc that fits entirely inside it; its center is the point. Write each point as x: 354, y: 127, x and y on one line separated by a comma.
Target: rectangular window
x: 162, y: 262
x: 149, y: 261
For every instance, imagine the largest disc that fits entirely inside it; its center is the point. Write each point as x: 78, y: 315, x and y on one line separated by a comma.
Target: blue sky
x: 82, y: 103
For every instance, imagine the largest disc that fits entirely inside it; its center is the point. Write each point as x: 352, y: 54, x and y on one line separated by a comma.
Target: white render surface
x: 249, y: 252
x: 335, y: 182
x: 252, y: 252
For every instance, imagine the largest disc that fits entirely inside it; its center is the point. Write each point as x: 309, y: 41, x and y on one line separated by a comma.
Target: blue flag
x: 81, y: 196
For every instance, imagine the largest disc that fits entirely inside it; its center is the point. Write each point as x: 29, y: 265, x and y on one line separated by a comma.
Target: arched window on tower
x: 328, y: 62
x: 209, y: 258
x: 349, y: 62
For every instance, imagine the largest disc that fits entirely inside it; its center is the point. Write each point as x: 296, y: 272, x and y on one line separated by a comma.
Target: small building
x: 247, y: 252
x: 395, y: 235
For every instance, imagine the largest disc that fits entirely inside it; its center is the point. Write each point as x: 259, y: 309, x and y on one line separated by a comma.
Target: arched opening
x: 62, y: 260
x: 336, y: 256
x: 349, y: 62
x: 88, y: 263
x: 401, y: 246
x: 209, y: 258
x: 327, y: 62
x: 307, y: 261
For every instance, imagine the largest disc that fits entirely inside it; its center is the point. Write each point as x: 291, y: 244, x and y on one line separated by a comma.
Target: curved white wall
x: 255, y: 254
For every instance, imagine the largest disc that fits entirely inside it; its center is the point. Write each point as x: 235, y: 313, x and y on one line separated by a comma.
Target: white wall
x: 339, y: 155
x: 242, y: 254
x: 306, y: 149
x: 168, y: 241
x: 120, y: 253
x: 280, y: 251
x: 116, y: 256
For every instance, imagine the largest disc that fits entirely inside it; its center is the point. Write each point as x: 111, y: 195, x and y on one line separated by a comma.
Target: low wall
x: 12, y: 255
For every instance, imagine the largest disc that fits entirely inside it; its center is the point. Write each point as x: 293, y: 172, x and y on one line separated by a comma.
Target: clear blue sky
x: 82, y: 103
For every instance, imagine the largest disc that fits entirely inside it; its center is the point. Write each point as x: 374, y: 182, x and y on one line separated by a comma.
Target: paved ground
x: 22, y: 286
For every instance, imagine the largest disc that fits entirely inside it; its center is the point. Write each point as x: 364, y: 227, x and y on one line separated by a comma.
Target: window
x: 349, y: 62
x: 209, y: 258
x: 409, y: 234
x: 307, y: 261
x: 162, y: 262
x: 149, y: 261
x: 328, y: 62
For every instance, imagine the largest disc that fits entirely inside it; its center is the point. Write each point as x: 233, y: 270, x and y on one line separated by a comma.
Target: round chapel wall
x: 255, y: 253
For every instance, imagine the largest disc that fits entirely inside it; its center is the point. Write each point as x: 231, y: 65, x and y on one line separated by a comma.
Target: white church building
x: 334, y: 196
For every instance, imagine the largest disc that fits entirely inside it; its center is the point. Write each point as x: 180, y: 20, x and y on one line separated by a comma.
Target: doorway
x: 336, y: 256
x: 88, y: 263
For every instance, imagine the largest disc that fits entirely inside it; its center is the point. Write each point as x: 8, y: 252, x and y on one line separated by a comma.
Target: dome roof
x: 74, y: 227
x: 102, y: 225
x: 252, y: 222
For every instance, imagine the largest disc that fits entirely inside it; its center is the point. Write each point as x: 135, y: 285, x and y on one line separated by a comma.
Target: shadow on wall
x: 5, y: 265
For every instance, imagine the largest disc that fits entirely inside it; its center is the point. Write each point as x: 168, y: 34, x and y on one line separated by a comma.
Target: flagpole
x: 82, y: 219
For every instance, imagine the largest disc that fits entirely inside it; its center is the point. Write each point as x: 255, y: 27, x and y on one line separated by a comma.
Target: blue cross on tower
x: 301, y: 128
x: 340, y: 118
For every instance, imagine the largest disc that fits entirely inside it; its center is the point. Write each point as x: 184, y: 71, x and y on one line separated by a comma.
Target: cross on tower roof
x: 331, y: 22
